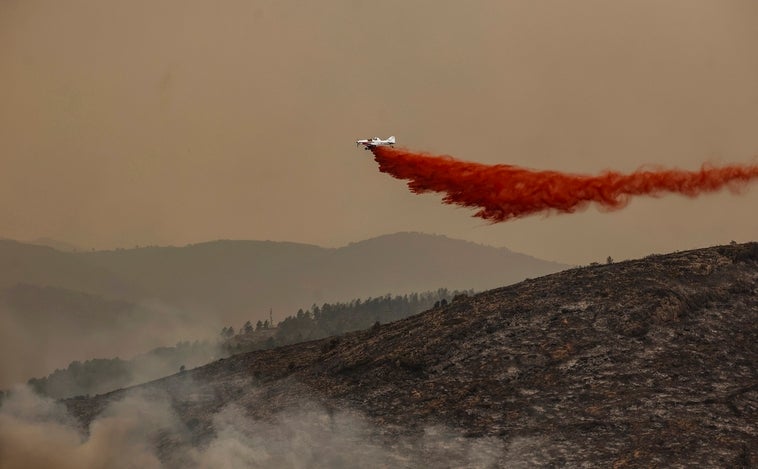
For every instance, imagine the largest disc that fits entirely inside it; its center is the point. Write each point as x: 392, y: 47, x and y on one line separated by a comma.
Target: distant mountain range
x: 235, y: 280
x: 59, y: 306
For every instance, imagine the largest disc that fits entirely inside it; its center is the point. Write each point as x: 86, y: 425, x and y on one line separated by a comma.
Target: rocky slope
x: 645, y: 363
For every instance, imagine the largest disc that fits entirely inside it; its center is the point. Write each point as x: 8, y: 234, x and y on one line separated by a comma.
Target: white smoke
x: 38, y: 433
x: 142, y: 431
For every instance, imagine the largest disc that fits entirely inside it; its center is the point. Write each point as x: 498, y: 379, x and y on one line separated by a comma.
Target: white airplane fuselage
x: 370, y: 143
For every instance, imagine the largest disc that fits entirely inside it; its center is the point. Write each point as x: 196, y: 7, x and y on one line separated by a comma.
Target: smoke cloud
x: 143, y: 430
x: 38, y: 432
x: 505, y: 192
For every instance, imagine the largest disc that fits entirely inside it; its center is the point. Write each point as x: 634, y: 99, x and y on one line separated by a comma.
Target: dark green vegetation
x: 644, y: 363
x: 102, y: 375
x: 337, y: 318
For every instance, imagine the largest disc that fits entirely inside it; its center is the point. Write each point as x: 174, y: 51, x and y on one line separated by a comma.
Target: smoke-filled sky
x: 172, y: 122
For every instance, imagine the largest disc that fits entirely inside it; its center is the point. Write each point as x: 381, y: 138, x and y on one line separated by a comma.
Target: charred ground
x: 649, y: 362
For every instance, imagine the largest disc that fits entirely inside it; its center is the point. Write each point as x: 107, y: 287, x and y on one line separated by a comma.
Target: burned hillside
x: 650, y: 362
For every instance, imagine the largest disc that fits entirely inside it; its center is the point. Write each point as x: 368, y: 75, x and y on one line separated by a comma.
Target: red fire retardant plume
x: 503, y: 192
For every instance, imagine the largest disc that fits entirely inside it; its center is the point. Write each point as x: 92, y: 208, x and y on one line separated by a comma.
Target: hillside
x: 645, y: 363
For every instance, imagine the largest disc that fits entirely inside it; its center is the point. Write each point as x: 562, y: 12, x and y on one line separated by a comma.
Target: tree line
x: 102, y: 375
x: 331, y: 319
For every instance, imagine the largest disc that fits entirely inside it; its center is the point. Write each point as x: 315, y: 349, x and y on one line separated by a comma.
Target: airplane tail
x: 391, y: 139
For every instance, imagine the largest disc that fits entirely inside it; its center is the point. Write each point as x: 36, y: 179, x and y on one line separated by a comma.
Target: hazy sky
x: 172, y: 122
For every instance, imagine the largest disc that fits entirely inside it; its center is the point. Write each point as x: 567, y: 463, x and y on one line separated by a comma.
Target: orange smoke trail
x: 504, y: 192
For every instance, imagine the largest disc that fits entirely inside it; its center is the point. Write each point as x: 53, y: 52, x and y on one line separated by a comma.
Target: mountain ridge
x: 231, y: 278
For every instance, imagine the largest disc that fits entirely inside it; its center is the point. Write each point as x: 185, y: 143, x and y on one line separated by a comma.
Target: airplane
x: 369, y: 143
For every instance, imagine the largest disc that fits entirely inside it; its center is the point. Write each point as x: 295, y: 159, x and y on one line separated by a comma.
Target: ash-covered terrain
x: 644, y: 363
